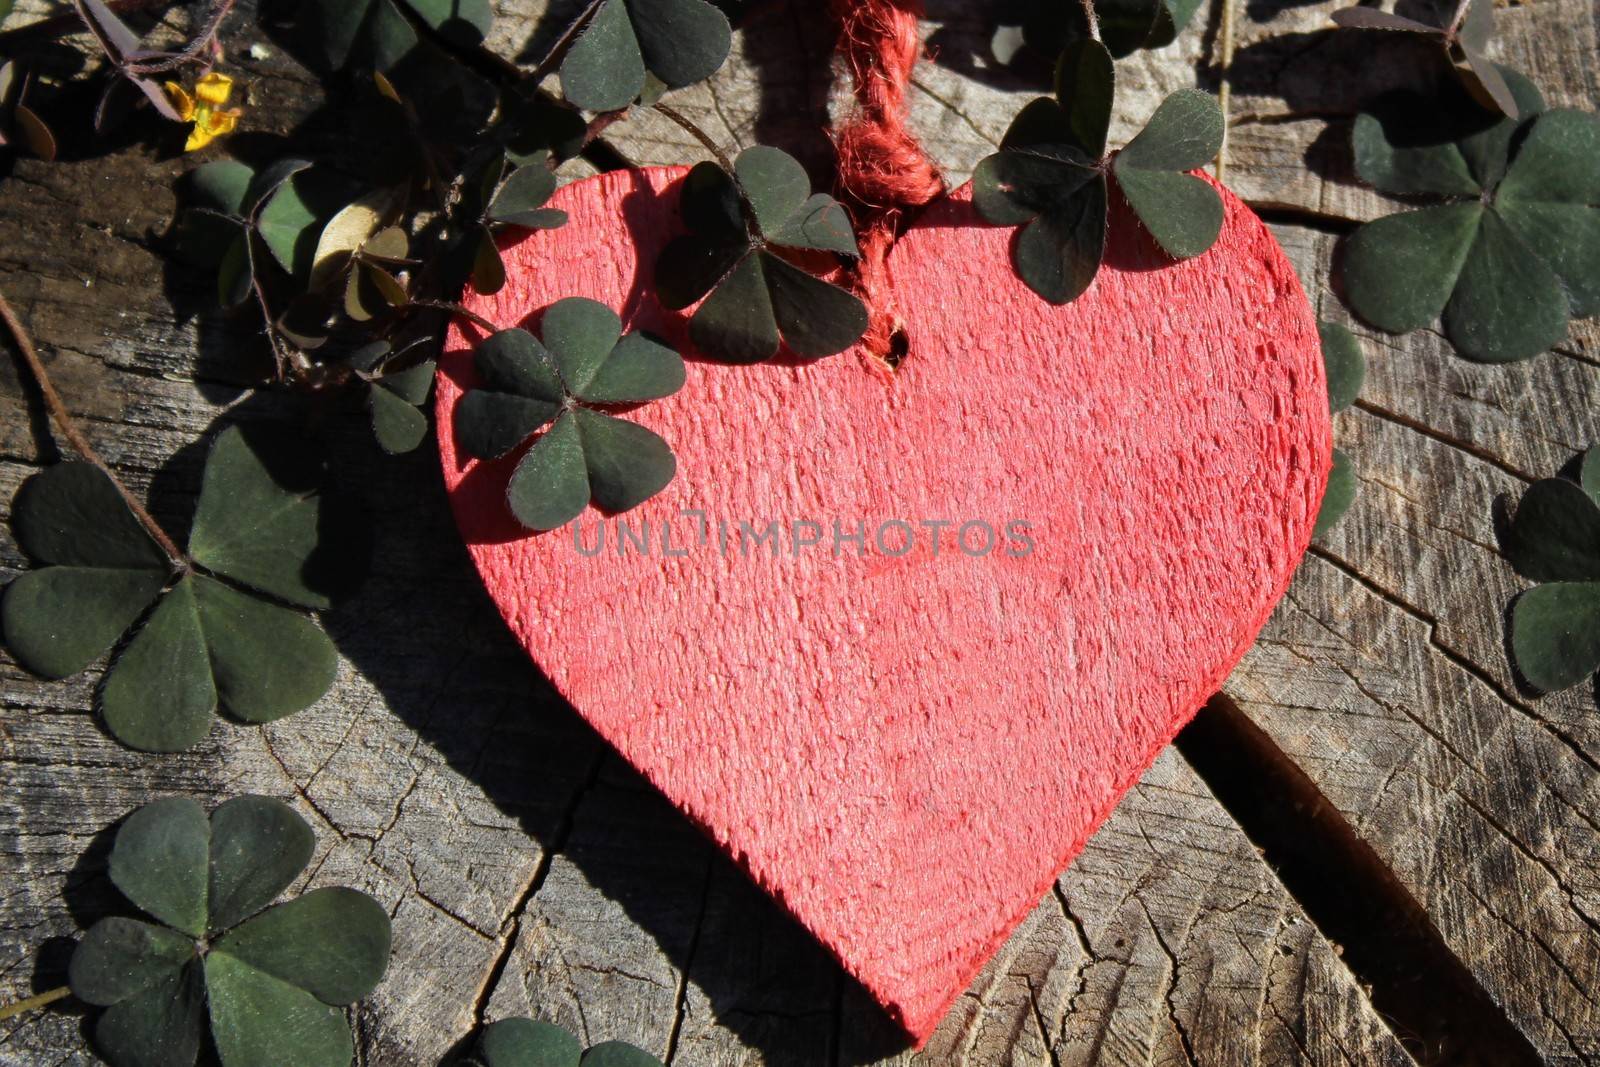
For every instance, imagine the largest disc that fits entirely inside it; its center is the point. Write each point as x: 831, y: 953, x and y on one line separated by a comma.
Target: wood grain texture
x: 528, y: 871
x: 905, y: 739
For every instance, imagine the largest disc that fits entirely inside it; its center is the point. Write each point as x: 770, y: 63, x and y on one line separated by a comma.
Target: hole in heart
x: 899, y: 348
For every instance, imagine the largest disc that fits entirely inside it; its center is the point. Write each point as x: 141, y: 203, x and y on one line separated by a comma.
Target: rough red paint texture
x: 907, y: 751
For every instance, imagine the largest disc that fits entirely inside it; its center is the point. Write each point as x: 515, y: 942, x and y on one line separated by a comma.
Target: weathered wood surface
x: 529, y: 871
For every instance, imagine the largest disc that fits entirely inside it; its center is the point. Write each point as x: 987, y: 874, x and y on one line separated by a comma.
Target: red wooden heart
x: 906, y: 750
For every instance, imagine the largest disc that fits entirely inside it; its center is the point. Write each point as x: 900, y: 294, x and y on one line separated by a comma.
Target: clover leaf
x: 1509, y: 249
x: 583, y: 453
x: 1346, y: 370
x: 1125, y: 26
x: 381, y: 31
x: 1050, y: 176
x: 1464, y: 40
x: 679, y: 42
x: 508, y: 193
x: 759, y: 297
x: 18, y: 121
x: 394, y: 396
x: 526, y: 1043
x: 1554, y: 538
x: 270, y: 982
x: 213, y: 631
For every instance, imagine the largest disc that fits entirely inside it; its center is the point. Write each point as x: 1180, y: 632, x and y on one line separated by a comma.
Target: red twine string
x: 882, y: 168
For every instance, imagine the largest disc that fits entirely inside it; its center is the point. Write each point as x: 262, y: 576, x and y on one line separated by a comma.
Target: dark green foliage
x: 1509, y: 249
x: 1126, y: 26
x: 1463, y: 41
x: 525, y: 1043
x: 627, y: 42
x: 379, y: 33
x: 1555, y: 538
x: 1340, y: 494
x: 1051, y: 176
x: 507, y: 195
x: 527, y: 386
x: 271, y: 982
x: 1346, y: 369
x: 215, y: 630
x: 748, y: 234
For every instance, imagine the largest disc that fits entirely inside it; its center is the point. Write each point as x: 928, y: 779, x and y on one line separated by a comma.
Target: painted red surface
x: 906, y: 750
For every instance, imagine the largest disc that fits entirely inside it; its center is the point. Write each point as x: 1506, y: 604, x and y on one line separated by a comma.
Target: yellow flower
x: 204, y: 109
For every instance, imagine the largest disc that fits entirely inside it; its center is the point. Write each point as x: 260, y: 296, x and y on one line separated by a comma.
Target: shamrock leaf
x: 19, y: 122
x: 507, y: 195
x: 584, y: 454
x: 1464, y: 41
x: 1050, y: 176
x: 271, y: 982
x: 1555, y: 538
x: 679, y: 42
x: 1125, y: 25
x: 381, y: 32
x: 209, y: 634
x: 1509, y: 249
x: 1346, y: 370
x: 759, y: 298
x: 526, y: 1043
x: 394, y: 397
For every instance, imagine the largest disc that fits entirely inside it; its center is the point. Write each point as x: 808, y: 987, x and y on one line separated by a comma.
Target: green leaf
x: 219, y: 186
x: 735, y: 324
x: 234, y: 276
x: 550, y: 486
x: 72, y: 514
x: 59, y: 620
x: 1402, y: 169
x: 1555, y: 634
x: 1085, y: 86
x: 684, y: 41
x: 1012, y: 187
x: 1182, y: 212
x: 1508, y: 304
x: 638, y: 369
x: 1550, y: 197
x: 268, y: 661
x: 1058, y: 254
x: 604, y: 68
x: 120, y: 958
x: 292, y: 221
x: 618, y: 1054
x: 333, y: 943
x: 579, y: 334
x: 1487, y: 149
x: 513, y: 361
x: 773, y: 182
x: 1340, y: 494
x: 261, y: 1021
x: 627, y: 463
x: 398, y: 426
x: 412, y: 384
x: 820, y: 223
x: 690, y: 267
x: 525, y: 1043
x: 1185, y: 133
x: 461, y: 22
x: 1399, y: 271
x: 1125, y: 25
x: 159, y: 694
x: 260, y: 516
x: 1589, y: 473
x: 159, y: 862
x: 379, y: 32
x: 816, y: 318
x: 257, y: 847
x: 490, y: 424
x: 521, y: 198
x: 488, y: 269
x: 1346, y: 368
x: 1555, y: 533
x: 159, y: 1027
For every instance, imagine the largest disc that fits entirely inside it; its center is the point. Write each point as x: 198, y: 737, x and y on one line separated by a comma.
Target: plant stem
x: 33, y: 1003
x: 1224, y: 88
x: 1092, y: 17
x: 456, y: 309
x: 191, y: 51
x: 700, y: 135
x: 80, y: 444
x: 61, y: 25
